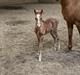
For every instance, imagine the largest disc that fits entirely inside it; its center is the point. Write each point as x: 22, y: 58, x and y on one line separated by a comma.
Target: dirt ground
x: 18, y: 43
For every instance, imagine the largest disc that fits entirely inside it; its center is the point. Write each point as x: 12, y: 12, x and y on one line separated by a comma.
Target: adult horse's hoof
x: 67, y: 50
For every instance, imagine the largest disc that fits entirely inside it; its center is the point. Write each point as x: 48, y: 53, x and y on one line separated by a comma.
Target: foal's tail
x: 55, y: 24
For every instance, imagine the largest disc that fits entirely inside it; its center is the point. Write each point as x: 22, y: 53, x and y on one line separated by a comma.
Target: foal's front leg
x: 40, y: 45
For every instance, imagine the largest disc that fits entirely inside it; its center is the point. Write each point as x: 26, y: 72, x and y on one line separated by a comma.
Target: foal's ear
x: 34, y: 11
x: 41, y: 11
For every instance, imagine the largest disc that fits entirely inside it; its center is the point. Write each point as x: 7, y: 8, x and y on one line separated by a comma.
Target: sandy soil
x: 18, y: 44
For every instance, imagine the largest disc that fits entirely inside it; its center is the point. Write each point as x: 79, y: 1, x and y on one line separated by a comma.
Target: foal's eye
x: 35, y: 18
x: 41, y: 18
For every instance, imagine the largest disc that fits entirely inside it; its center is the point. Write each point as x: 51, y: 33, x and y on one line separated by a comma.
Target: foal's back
x: 51, y: 23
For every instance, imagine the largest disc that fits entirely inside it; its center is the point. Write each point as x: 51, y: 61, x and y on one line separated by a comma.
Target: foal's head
x: 38, y: 16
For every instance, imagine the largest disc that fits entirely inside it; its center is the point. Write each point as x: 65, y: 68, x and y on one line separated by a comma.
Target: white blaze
x: 38, y: 17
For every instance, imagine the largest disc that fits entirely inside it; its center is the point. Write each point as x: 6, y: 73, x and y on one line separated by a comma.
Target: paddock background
x: 9, y: 2
x: 18, y: 42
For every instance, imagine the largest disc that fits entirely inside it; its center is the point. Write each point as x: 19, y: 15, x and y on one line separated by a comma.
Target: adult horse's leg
x: 70, y: 34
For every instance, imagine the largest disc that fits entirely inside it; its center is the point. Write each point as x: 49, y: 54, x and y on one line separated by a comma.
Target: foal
x: 43, y: 27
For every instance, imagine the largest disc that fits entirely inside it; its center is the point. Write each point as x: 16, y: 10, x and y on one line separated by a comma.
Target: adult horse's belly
x: 71, y: 13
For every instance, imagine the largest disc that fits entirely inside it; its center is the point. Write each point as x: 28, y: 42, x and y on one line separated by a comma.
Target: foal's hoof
x: 55, y: 49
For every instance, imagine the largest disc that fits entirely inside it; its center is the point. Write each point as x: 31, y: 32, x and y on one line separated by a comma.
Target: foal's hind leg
x: 78, y: 27
x: 56, y: 40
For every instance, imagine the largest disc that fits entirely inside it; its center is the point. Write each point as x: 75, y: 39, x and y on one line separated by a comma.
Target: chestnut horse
x: 71, y: 13
x: 43, y: 27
